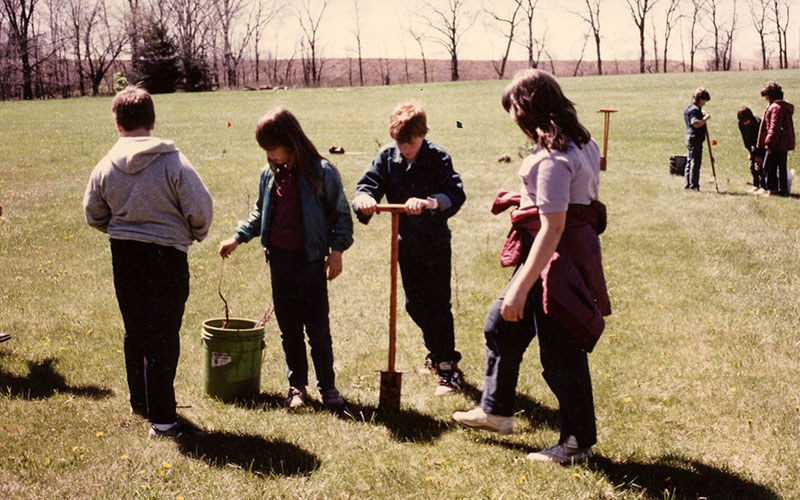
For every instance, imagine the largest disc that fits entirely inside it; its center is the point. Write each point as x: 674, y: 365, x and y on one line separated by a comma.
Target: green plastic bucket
x: 232, y: 358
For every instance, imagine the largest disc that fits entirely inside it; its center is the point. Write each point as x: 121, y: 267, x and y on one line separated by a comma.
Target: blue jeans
x: 426, y: 282
x: 694, y: 158
x: 300, y: 297
x: 565, y: 366
x: 776, y: 173
x: 152, y: 284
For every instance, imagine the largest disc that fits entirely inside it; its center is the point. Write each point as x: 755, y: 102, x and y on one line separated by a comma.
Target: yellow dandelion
x: 627, y: 400
x: 751, y: 312
x: 178, y: 498
x: 523, y: 480
x: 797, y: 407
x: 123, y: 457
x: 99, y: 434
x: 733, y: 389
x: 18, y: 278
x: 750, y: 421
x: 575, y: 474
x: 89, y: 331
x: 74, y: 448
x: 429, y: 478
x: 612, y: 335
x: 166, y: 465
x: 608, y: 267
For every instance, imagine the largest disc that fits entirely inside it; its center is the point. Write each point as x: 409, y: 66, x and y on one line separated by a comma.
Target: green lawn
x: 696, y: 380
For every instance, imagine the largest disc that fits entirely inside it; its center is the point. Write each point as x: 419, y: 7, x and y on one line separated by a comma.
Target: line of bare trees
x: 62, y: 48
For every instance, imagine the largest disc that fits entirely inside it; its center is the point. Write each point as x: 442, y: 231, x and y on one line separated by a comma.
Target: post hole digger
x: 391, y: 380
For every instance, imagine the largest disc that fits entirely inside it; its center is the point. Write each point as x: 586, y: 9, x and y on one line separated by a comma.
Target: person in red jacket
x: 776, y: 135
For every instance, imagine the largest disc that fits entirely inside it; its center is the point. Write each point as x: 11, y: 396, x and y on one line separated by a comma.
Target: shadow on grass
x: 676, y: 477
x: 251, y: 453
x: 538, y: 415
x: 405, y: 425
x: 43, y: 381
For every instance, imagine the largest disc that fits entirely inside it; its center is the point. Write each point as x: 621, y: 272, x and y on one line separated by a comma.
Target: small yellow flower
x: 99, y: 434
x: 608, y: 267
x: 797, y: 407
x: 750, y: 421
x: 429, y: 478
x: 166, y: 465
x: 74, y: 448
x: 575, y: 474
x: 523, y: 480
x: 751, y: 312
x: 123, y: 457
x: 733, y: 389
x: 612, y: 335
x: 178, y: 498
x: 89, y: 331
x: 627, y: 400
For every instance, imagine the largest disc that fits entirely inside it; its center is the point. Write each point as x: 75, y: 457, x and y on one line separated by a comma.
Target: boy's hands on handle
x: 227, y: 247
x: 333, y: 266
x: 415, y: 206
x: 365, y: 204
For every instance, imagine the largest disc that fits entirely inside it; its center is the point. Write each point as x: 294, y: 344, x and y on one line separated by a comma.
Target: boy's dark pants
x: 152, y: 285
x: 426, y: 282
x: 300, y: 297
x: 565, y: 367
x: 694, y: 157
x: 758, y: 174
x: 776, y: 172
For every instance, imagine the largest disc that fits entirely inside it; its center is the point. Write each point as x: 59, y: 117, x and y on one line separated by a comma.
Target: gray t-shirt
x: 552, y: 180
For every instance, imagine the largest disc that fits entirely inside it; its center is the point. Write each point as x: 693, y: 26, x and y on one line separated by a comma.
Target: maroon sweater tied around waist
x: 574, y: 285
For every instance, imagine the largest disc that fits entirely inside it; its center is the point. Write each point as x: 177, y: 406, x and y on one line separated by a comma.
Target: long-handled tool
x: 711, y: 155
x: 607, y: 113
x: 391, y: 380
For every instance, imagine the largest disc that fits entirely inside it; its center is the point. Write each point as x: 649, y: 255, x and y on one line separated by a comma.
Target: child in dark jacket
x: 418, y: 173
x: 776, y: 136
x: 748, y: 127
x: 305, y: 224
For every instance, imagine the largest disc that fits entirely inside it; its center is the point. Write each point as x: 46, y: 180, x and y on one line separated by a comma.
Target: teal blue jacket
x: 327, y: 223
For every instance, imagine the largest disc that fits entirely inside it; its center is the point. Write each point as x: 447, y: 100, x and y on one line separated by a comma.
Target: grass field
x: 697, y: 387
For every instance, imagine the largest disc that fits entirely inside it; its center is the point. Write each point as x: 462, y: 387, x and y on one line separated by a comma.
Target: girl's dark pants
x: 776, y: 173
x: 152, y: 285
x: 426, y: 282
x: 565, y: 366
x: 300, y: 297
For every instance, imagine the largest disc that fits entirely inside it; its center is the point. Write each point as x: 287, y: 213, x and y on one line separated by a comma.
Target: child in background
x: 559, y: 231
x: 776, y: 136
x: 695, y: 119
x: 418, y: 173
x: 305, y: 224
x: 145, y: 194
x: 748, y: 127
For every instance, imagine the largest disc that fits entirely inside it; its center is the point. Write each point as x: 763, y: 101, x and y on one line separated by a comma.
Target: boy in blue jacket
x: 419, y: 174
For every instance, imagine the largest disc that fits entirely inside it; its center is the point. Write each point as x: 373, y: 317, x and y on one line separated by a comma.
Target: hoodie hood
x: 131, y: 155
x: 785, y: 106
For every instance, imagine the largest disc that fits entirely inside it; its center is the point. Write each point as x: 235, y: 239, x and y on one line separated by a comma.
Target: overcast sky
x: 384, y: 31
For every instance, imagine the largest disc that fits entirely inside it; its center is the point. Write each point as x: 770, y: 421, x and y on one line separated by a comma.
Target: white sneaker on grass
x: 479, y: 419
x: 296, y: 397
x: 564, y: 453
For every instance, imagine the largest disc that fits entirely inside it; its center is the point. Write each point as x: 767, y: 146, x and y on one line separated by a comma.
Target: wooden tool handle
x: 395, y: 208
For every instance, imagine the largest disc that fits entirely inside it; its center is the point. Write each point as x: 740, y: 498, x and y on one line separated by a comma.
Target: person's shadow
x: 678, y: 477
x: 405, y: 425
x: 251, y: 453
x: 43, y: 381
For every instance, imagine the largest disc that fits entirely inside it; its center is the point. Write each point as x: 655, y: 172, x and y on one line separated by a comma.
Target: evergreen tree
x: 158, y: 66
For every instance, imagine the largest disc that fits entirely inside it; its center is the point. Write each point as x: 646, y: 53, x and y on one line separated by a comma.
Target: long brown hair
x: 539, y: 107
x: 278, y: 127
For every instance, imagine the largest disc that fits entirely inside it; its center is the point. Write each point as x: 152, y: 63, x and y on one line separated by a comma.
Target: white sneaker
x: 564, y: 453
x: 296, y: 397
x: 478, y: 419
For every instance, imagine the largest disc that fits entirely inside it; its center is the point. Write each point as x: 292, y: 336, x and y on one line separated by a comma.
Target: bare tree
x: 236, y: 33
x: 695, y: 40
x: 102, y: 44
x: 192, y: 23
x: 531, y: 44
x: 20, y: 17
x: 780, y: 11
x: 655, y: 44
x: 266, y: 12
x: 310, y: 21
x: 418, y: 37
x: 758, y: 14
x: 580, y: 58
x: 671, y: 17
x: 723, y: 35
x: 509, y: 24
x: 449, y: 25
x: 591, y: 16
x: 134, y: 28
x: 639, y: 10
x: 357, y: 34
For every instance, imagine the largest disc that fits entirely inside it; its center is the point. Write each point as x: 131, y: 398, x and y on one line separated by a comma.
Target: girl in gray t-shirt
x: 560, y: 185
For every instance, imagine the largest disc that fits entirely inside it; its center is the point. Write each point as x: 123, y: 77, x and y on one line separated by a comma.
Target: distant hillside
x: 344, y: 72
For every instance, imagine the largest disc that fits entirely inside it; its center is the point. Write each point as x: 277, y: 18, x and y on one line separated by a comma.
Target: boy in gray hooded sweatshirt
x: 149, y: 199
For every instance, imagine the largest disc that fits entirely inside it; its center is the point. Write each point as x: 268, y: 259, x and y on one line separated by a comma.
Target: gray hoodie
x: 146, y: 190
